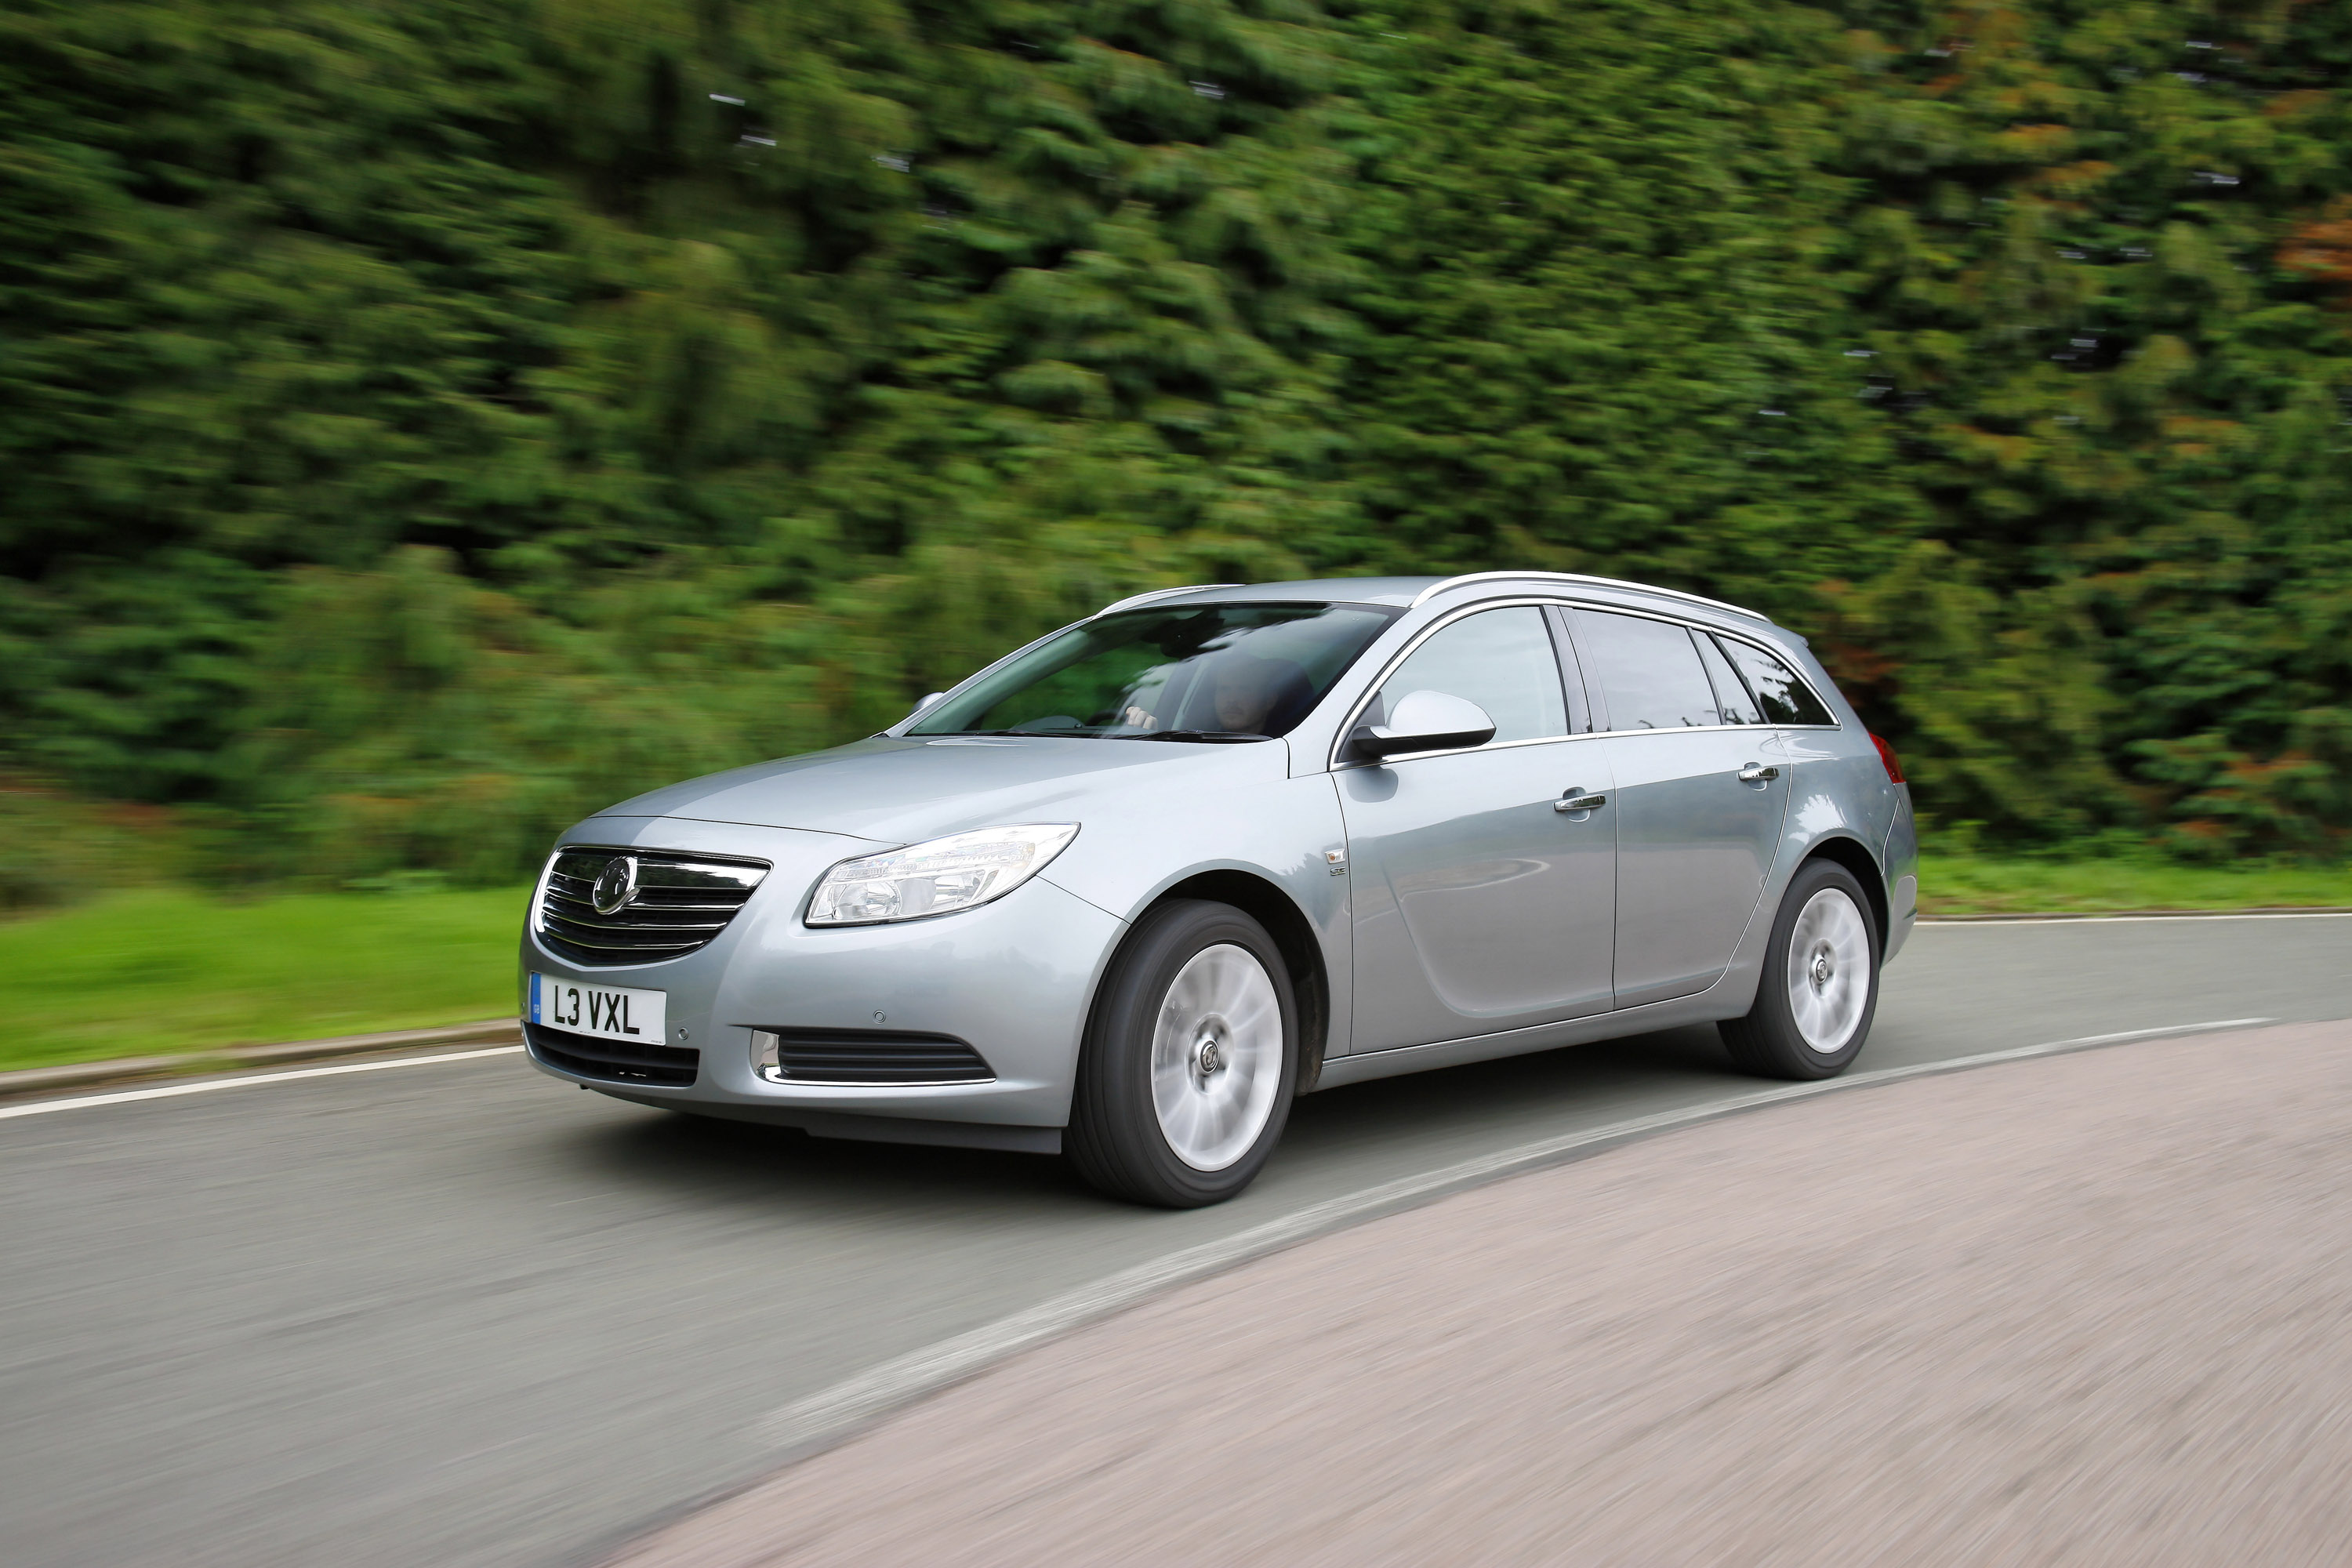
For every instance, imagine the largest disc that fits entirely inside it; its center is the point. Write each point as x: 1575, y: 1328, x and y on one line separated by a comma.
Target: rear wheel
x: 1820, y: 988
x: 1191, y: 1060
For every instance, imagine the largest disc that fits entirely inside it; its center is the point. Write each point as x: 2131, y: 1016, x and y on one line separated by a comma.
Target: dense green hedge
x: 425, y: 421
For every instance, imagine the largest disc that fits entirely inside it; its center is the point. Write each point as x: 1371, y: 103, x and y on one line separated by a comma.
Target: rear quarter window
x: 1784, y: 698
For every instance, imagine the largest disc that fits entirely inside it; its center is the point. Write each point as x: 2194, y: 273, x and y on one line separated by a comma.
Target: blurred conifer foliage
x: 425, y: 422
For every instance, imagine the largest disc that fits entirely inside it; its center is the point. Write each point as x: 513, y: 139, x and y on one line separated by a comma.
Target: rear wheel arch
x: 1856, y: 857
x: 1818, y: 991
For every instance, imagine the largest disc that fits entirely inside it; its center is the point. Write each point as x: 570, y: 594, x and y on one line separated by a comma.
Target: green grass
x: 159, y: 971
x: 155, y: 971
x: 1991, y: 884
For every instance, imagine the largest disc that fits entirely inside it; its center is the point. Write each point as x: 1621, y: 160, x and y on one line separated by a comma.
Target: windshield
x: 1209, y: 672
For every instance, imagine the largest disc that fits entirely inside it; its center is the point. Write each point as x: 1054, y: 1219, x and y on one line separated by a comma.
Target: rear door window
x: 1784, y: 698
x: 1649, y: 671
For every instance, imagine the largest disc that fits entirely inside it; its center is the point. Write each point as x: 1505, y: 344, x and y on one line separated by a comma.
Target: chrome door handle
x: 1580, y: 802
x: 1757, y: 773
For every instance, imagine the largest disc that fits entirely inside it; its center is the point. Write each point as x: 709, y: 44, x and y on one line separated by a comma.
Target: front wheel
x: 1191, y: 1060
x: 1820, y: 986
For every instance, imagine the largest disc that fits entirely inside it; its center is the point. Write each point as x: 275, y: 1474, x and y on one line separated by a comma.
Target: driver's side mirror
x: 926, y: 702
x: 1426, y: 722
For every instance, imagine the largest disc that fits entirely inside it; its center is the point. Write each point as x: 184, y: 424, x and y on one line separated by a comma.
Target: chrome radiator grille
x: 605, y: 906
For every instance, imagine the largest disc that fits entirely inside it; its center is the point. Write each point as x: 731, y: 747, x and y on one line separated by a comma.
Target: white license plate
x: 606, y: 1010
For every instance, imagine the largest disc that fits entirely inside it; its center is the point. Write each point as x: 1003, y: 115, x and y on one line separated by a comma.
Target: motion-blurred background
x: 427, y: 422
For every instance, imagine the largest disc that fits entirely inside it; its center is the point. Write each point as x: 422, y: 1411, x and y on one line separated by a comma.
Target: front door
x: 1701, y: 789
x: 1478, y: 906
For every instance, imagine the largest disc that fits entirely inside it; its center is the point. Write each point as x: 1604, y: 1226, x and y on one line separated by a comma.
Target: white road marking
x: 171, y: 1090
x: 835, y: 1412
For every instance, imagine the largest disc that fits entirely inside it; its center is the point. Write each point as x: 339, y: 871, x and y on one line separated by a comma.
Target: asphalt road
x: 460, y: 1314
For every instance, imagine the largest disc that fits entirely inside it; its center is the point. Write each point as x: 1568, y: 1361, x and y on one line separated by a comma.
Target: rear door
x: 1478, y: 906
x: 1700, y: 794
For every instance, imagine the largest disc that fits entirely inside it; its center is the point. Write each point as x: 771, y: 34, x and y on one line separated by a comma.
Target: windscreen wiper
x: 1225, y: 737
x: 1209, y: 737
x: 1037, y: 735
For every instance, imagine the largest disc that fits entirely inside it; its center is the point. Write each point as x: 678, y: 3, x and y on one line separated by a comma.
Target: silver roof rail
x: 1159, y: 594
x: 1436, y: 588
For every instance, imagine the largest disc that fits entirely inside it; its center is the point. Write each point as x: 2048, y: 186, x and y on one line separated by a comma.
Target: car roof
x: 1411, y: 592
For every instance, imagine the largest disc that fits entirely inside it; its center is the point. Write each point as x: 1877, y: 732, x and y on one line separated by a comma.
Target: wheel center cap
x: 1209, y: 1051
x: 1822, y: 969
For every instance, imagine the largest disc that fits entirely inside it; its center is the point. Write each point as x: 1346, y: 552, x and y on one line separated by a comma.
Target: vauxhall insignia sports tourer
x: 1129, y: 890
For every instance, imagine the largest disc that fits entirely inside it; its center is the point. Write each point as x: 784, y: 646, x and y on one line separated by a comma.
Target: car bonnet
x: 898, y: 791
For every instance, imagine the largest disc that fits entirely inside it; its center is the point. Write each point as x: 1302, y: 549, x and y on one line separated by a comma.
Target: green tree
x: 385, y: 388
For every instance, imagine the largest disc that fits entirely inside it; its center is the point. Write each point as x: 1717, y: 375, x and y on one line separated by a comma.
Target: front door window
x: 1500, y: 659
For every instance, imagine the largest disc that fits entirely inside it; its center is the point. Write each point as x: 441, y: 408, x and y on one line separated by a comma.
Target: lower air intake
x: 865, y: 1057
x: 613, y: 1061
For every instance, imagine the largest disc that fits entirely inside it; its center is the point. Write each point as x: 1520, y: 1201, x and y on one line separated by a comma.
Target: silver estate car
x: 1128, y: 890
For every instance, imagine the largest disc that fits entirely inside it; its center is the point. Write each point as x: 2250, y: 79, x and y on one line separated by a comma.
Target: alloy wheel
x: 1829, y: 970
x: 1216, y: 1057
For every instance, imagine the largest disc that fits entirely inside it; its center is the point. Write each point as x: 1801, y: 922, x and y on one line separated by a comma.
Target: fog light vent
x: 870, y: 1057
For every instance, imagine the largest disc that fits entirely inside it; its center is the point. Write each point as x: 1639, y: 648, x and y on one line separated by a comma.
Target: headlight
x: 938, y: 878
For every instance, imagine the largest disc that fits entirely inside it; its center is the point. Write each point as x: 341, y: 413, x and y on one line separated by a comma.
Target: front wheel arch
x: 1120, y: 1136
x: 1293, y: 936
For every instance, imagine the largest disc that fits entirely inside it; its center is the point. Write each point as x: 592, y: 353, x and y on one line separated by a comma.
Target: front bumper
x: 1012, y: 979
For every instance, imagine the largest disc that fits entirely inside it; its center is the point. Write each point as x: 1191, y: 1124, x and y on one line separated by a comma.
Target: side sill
x: 1703, y: 1008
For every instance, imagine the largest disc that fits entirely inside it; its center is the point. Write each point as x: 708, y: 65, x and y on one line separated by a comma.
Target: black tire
x: 1115, y: 1136
x: 1770, y: 1041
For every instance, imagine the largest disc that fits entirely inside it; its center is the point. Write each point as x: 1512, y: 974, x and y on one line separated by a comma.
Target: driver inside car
x: 1243, y: 695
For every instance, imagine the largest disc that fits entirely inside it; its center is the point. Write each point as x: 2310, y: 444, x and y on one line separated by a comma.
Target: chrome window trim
x: 1468, y: 577
x: 1336, y: 763
x: 1589, y: 735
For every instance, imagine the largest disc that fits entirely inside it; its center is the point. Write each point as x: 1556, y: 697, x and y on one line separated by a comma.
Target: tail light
x: 1886, y: 755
